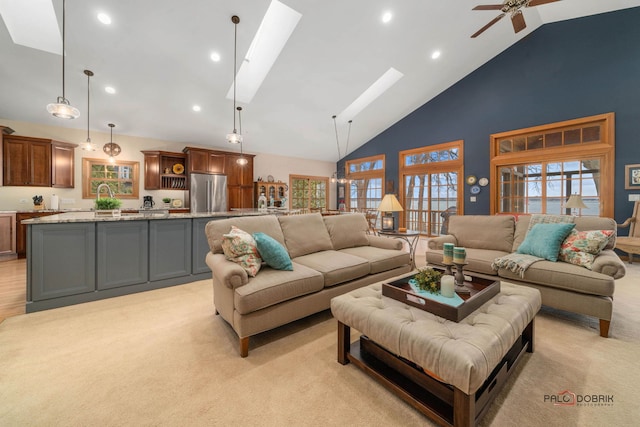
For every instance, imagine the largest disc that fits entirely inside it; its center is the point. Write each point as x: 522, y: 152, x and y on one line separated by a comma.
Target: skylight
x: 34, y: 26
x: 274, y: 32
x: 379, y: 87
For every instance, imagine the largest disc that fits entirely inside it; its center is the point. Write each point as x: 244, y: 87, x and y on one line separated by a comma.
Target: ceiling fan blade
x: 481, y: 30
x: 539, y: 2
x: 518, y: 22
x: 489, y: 7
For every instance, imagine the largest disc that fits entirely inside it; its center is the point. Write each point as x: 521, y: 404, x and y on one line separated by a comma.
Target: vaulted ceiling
x: 156, y: 55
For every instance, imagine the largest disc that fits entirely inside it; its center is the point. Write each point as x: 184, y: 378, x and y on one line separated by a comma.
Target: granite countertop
x: 91, y: 216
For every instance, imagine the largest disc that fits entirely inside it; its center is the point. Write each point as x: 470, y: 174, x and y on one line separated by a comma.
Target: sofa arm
x: 608, y: 262
x: 385, y: 243
x: 227, y: 272
x: 436, y: 243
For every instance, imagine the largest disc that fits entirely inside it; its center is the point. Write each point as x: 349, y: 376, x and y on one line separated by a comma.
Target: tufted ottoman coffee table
x: 448, y: 371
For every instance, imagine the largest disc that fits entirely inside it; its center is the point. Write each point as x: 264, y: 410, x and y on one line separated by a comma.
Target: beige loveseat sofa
x: 562, y: 285
x: 330, y: 256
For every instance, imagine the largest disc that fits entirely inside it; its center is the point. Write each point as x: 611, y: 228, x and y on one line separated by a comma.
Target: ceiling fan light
x: 63, y: 110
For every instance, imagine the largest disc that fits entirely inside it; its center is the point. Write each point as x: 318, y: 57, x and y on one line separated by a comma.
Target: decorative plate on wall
x: 178, y: 168
x: 483, y: 182
x: 475, y: 189
x: 471, y: 179
x: 270, y: 178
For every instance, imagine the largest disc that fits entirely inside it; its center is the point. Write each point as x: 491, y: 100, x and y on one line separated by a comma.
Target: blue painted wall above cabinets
x: 561, y: 71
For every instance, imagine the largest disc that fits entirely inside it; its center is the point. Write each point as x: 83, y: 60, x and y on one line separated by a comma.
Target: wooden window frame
x: 310, y: 178
x: 454, y: 165
x: 370, y: 174
x: 604, y: 150
x: 87, y: 163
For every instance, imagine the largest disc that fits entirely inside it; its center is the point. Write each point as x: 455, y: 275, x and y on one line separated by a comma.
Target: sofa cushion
x: 586, y: 223
x: 267, y: 224
x: 483, y: 231
x: 581, y: 247
x: 305, y: 234
x: 272, y: 252
x: 562, y: 275
x: 240, y: 247
x: 480, y: 260
x: 272, y: 287
x: 336, y: 267
x: 380, y: 259
x: 347, y: 231
x: 544, y: 240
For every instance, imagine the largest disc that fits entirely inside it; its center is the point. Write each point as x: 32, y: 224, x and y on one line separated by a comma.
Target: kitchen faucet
x: 100, y: 187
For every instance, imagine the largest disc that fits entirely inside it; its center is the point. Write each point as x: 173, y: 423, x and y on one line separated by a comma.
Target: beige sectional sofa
x: 562, y: 285
x: 330, y: 256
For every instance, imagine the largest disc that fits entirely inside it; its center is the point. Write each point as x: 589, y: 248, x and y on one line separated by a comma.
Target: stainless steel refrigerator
x: 207, y: 193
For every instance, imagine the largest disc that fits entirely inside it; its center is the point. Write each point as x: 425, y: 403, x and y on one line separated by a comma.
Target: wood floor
x: 13, y: 288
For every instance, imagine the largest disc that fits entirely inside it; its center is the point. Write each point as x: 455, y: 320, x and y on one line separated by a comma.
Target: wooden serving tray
x: 481, y: 290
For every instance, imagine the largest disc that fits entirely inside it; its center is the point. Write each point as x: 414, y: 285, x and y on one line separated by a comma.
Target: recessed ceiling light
x: 215, y: 56
x: 110, y: 90
x: 386, y: 17
x: 196, y: 108
x: 104, y: 18
x: 435, y: 54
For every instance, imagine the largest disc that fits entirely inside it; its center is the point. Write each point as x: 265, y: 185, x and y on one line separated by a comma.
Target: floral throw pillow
x: 581, y: 247
x: 240, y: 247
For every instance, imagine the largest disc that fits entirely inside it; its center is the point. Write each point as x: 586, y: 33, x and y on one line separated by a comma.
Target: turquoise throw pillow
x: 544, y: 240
x: 272, y: 252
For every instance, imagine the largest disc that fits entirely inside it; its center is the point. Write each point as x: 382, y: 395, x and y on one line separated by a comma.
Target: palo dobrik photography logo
x: 568, y: 398
x: 563, y: 398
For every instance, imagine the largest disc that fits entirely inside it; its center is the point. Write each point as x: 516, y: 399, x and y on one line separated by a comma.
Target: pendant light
x: 88, y: 145
x: 234, y: 137
x: 111, y: 148
x: 242, y: 160
x: 62, y: 109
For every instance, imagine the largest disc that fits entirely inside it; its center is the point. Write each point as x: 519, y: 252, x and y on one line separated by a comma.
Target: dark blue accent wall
x: 561, y: 71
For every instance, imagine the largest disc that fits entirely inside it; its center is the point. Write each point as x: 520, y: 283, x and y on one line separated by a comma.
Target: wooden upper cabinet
x: 200, y: 160
x: 62, y: 164
x: 164, y: 170
x: 37, y: 162
x: 237, y: 174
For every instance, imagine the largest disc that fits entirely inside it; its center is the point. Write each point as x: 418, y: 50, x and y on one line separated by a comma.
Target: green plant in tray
x: 108, y: 203
x: 428, y: 279
x: 166, y: 200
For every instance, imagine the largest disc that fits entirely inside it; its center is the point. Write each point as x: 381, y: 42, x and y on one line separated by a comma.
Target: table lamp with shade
x: 575, y: 202
x: 388, y: 205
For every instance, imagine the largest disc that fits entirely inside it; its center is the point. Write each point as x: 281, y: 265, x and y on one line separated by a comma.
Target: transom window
x: 122, y: 177
x: 535, y: 170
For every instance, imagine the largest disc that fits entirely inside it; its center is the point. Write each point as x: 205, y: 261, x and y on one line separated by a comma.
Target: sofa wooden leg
x: 244, y: 347
x: 604, y: 328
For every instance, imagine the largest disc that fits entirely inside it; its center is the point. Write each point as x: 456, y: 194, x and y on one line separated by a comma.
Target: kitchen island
x: 77, y: 257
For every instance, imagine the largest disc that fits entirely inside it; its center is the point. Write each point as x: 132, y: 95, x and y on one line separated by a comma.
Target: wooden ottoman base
x: 442, y: 403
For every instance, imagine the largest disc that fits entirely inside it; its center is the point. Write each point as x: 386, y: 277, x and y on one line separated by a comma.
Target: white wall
x: 10, y: 197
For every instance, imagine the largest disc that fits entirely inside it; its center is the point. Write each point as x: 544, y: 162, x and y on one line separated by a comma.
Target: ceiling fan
x: 514, y: 7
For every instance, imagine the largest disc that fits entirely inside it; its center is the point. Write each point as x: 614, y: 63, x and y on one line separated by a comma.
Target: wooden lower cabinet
x: 7, y: 236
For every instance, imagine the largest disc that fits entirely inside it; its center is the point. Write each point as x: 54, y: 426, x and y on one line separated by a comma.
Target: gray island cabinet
x: 76, y: 257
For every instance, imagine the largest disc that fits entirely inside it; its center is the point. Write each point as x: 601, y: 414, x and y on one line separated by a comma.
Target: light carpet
x: 163, y: 358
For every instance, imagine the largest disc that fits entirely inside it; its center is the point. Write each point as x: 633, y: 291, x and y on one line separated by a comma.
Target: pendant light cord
x: 240, y: 123
x: 346, y: 150
x: 88, y: 109
x: 235, y: 67
x: 335, y: 126
x: 63, y: 37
